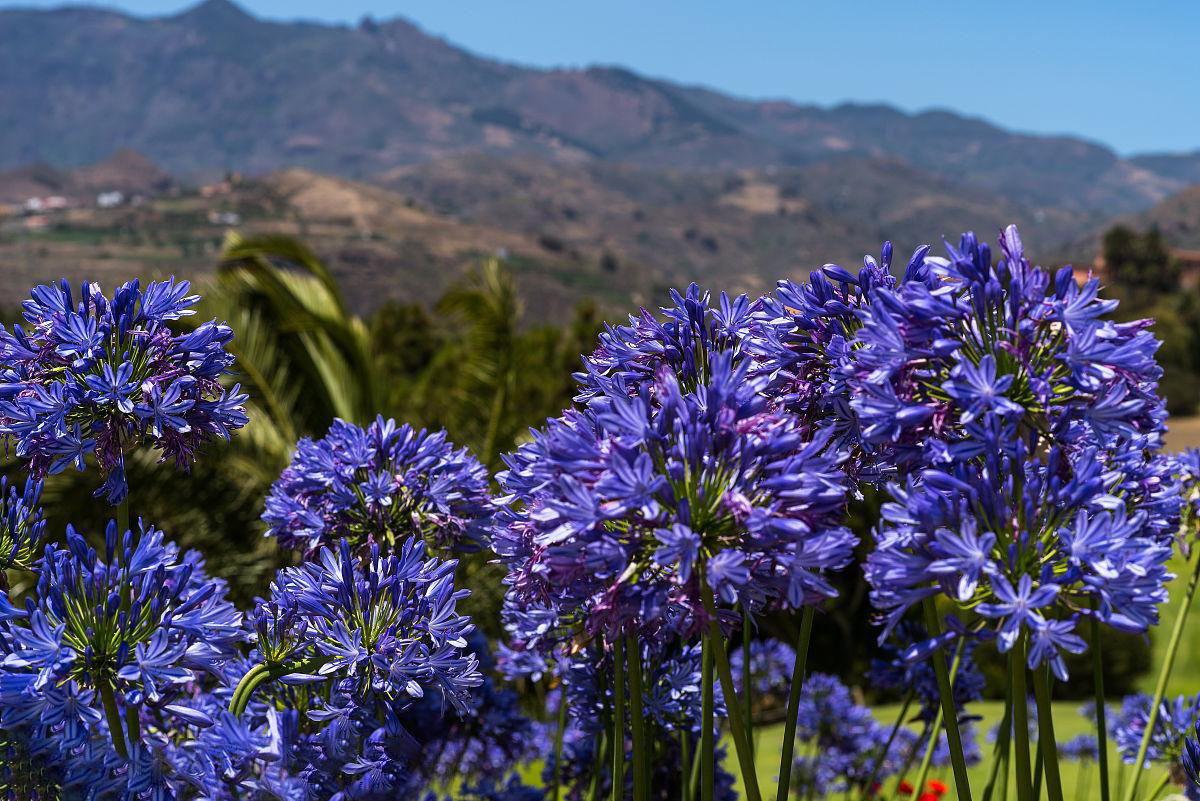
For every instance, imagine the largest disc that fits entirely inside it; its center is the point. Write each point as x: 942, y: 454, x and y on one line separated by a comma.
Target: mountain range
x: 681, y: 180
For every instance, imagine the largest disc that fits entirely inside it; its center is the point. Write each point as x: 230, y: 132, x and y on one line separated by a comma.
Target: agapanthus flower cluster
x: 110, y: 651
x: 851, y: 747
x: 1174, y: 723
x: 102, y: 376
x: 382, y: 485
x: 1081, y: 747
x: 389, y: 623
x: 354, y: 643
x: 772, y: 663
x: 626, y: 512
x: 691, y: 331
x: 1028, y: 428
x: 804, y: 333
x: 896, y: 672
x: 492, y: 737
x: 21, y: 526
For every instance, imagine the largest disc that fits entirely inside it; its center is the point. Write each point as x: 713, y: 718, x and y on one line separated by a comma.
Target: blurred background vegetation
x: 472, y: 364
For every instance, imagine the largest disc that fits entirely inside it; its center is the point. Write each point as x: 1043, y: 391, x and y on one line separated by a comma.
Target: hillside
x: 618, y: 234
x: 214, y: 88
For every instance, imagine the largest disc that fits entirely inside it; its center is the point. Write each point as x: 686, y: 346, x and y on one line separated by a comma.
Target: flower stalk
x: 736, y: 724
x: 637, y: 720
x: 558, y: 741
x: 793, y: 707
x: 708, y: 746
x: 1164, y: 674
x: 1046, y: 740
x: 1020, y: 707
x: 949, y: 713
x: 618, y: 731
x: 1101, y: 714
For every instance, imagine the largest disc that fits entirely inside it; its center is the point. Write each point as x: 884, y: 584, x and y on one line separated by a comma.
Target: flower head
x: 21, y: 525
x: 101, y: 376
x: 626, y: 512
x: 380, y: 484
x: 1026, y: 428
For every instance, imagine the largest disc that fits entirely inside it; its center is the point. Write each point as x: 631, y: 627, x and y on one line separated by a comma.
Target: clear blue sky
x: 1123, y: 73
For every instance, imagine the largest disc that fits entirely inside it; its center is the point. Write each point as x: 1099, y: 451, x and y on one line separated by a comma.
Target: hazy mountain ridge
x: 215, y: 88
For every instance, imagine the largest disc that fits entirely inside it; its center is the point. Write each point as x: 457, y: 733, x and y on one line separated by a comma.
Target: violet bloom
x: 1026, y: 428
x: 622, y: 513
x: 102, y: 376
x: 140, y: 626
x: 381, y: 484
x: 802, y: 335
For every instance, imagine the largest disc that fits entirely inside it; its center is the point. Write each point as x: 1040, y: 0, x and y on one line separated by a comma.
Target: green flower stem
x: 685, y: 767
x: 602, y: 756
x: 111, y: 712
x: 949, y: 712
x: 1164, y: 674
x: 1098, y: 687
x: 793, y: 707
x: 737, y: 725
x: 1162, y: 785
x: 708, y: 746
x: 1046, y: 739
x: 1000, y: 753
x: 1037, y: 772
x: 927, y: 760
x: 637, y: 720
x: 887, y: 746
x: 746, y: 675
x: 938, y: 719
x: 241, y: 694
x: 618, y: 732
x: 1019, y: 704
x: 133, y: 724
x: 261, y: 674
x: 558, y: 740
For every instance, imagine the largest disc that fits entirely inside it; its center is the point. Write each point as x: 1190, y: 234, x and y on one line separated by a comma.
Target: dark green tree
x: 1140, y: 259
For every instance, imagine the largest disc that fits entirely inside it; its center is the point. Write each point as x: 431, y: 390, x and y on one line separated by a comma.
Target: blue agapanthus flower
x: 691, y: 330
x: 1028, y: 428
x: 22, y: 526
x: 771, y: 665
x: 1190, y: 761
x: 380, y: 484
x: 803, y: 333
x: 897, y: 671
x: 387, y: 624
x: 1175, y: 721
x: 672, y: 703
x: 850, y: 747
x: 621, y: 513
x: 350, y: 648
x: 1081, y: 747
x: 491, y: 737
x: 101, y: 376
x: 111, y: 647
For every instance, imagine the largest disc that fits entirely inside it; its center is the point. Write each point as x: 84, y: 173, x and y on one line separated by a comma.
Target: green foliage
x: 1140, y: 259
x: 473, y: 369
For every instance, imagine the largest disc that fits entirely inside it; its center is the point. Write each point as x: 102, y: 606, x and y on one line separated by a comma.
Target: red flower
x: 938, y: 788
x: 905, y: 788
